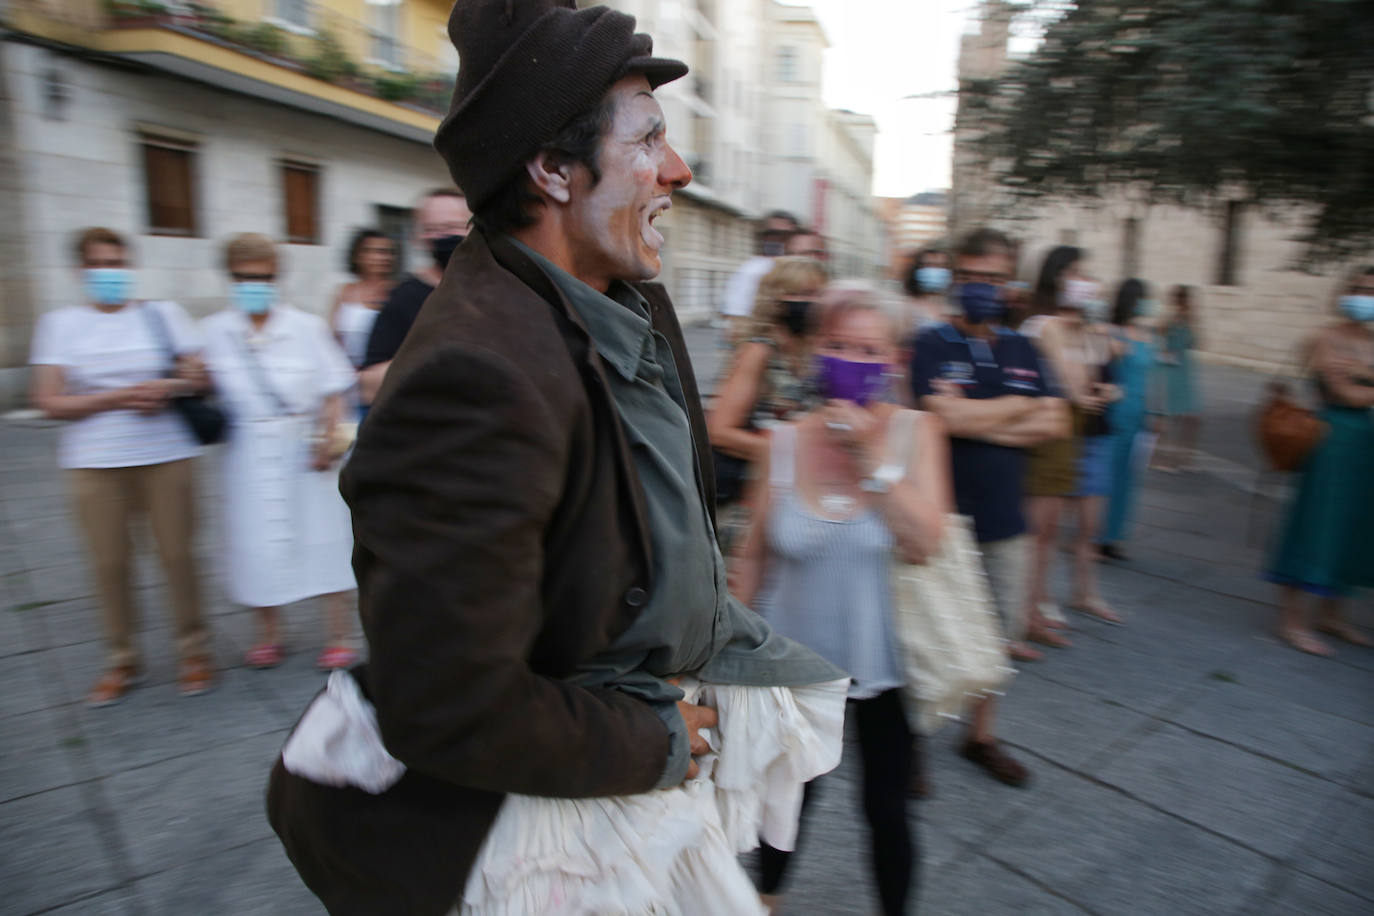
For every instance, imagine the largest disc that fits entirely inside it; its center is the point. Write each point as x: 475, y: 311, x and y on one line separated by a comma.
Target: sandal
x: 1344, y: 631
x: 1021, y: 652
x: 113, y: 685
x: 1098, y: 610
x: 265, y: 655
x: 1304, y: 641
x: 337, y: 657
x: 197, y: 676
x: 1047, y: 637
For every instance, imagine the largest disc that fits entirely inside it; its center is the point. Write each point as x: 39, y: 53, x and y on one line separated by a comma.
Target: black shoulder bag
x: 201, y: 412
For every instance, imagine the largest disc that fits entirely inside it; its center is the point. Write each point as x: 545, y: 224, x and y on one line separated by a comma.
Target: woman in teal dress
x: 1326, y: 547
x: 1127, y: 417
x: 1179, y: 397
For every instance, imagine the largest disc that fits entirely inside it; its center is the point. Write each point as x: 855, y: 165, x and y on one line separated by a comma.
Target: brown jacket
x: 500, y: 540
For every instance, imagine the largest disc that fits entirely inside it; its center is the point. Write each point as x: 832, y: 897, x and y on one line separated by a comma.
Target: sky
x: 881, y: 51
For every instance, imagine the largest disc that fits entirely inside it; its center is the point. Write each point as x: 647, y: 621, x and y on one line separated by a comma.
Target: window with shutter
x: 300, y: 194
x: 169, y: 181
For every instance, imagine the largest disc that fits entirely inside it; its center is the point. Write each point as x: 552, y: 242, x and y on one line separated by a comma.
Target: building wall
x: 1258, y: 320
x: 704, y: 246
x: 911, y: 226
x: 86, y: 169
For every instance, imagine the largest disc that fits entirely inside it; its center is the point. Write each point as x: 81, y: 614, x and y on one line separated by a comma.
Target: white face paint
x: 611, y: 225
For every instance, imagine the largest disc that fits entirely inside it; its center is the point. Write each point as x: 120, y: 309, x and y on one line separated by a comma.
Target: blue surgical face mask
x: 932, y: 279
x: 1358, y: 308
x: 255, y: 297
x: 980, y: 302
x: 1146, y: 308
x: 108, y: 285
x: 1095, y: 310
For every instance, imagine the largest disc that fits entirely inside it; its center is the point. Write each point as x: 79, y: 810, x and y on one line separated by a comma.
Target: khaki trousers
x: 1008, y: 563
x: 106, y: 501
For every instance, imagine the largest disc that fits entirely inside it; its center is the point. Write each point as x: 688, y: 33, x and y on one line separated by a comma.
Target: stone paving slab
x: 194, y: 806
x: 1343, y: 854
x: 122, y: 902
x: 1218, y: 786
x: 34, y: 754
x: 257, y: 878
x: 1060, y: 724
x: 1306, y: 896
x: 1117, y: 855
x: 153, y: 725
x: 50, y: 851
x: 1270, y: 726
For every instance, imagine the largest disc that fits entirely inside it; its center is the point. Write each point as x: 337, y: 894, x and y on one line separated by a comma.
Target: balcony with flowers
x: 384, y: 63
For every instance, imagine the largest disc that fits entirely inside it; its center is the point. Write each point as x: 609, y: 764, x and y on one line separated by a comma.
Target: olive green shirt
x: 690, y: 624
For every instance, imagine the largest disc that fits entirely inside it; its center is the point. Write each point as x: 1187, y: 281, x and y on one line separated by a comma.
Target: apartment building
x: 751, y: 122
x: 182, y: 124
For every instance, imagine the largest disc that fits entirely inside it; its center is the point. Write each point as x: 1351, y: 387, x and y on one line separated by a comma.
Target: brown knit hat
x: 527, y: 68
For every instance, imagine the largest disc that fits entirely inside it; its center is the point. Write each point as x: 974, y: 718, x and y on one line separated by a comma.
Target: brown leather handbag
x: 1287, y: 432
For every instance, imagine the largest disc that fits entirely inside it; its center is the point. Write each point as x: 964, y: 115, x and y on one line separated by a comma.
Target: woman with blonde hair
x: 282, y: 376
x: 1326, y: 548
x: 769, y: 380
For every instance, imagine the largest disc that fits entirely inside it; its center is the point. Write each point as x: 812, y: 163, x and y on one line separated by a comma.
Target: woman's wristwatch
x: 883, y: 479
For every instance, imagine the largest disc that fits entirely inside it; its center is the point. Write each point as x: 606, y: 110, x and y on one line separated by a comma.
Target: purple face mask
x: 846, y: 380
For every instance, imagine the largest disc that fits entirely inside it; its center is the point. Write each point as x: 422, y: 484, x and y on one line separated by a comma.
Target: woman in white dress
x: 282, y: 377
x: 372, y: 259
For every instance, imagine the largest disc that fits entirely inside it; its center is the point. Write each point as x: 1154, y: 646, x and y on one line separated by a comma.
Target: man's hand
x: 946, y: 388
x: 696, y: 717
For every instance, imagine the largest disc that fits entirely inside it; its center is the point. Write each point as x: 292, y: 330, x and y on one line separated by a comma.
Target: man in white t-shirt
x: 738, y: 303
x: 110, y: 367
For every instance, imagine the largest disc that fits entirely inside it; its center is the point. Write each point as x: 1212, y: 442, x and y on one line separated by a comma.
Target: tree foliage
x: 1188, y: 100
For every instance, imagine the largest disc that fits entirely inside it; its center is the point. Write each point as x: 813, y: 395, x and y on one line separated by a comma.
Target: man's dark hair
x: 360, y: 236
x: 1127, y: 301
x: 982, y: 242
x: 512, y: 206
x: 783, y: 214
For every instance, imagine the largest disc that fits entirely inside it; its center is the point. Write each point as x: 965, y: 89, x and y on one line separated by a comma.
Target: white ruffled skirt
x: 670, y: 852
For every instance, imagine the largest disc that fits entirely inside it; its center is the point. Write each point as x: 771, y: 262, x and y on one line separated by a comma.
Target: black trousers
x: 886, y: 747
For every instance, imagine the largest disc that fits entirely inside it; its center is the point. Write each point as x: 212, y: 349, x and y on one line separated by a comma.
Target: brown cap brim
x: 657, y: 70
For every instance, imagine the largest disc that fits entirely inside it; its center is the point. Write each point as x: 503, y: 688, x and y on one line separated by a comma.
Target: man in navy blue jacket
x: 987, y: 383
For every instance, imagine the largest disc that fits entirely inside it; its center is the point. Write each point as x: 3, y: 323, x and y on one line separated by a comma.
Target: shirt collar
x: 951, y: 334
x: 618, y: 320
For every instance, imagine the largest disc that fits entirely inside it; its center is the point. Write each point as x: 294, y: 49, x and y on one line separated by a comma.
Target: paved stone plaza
x: 1185, y: 763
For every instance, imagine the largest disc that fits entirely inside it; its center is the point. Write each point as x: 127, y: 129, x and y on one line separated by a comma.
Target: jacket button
x: 636, y: 597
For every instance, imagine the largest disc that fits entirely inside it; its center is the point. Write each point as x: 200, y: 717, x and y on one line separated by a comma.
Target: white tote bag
x: 948, y: 631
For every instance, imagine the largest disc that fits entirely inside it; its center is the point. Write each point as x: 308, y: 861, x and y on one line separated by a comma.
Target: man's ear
x: 552, y: 176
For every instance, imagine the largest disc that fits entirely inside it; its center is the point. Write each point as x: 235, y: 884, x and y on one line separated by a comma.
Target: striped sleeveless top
x: 827, y: 581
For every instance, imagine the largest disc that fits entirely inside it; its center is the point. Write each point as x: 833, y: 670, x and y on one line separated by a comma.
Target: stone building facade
x: 1254, y: 306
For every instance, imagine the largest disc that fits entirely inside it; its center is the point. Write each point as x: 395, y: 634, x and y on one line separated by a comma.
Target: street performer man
x: 571, y: 712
